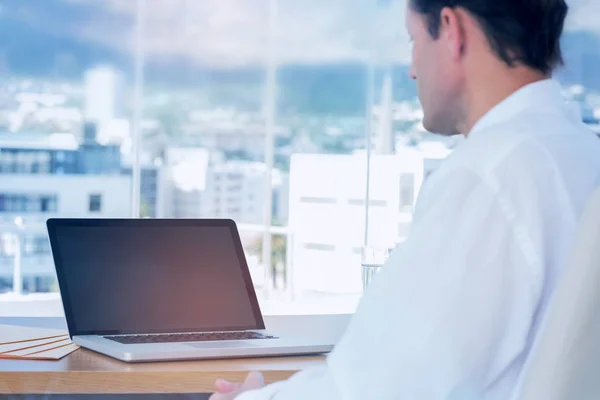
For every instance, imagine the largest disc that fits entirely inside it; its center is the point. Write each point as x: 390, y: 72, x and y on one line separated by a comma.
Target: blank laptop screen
x: 151, y: 279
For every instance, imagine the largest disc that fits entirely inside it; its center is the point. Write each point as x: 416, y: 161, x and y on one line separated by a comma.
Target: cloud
x: 231, y: 33
x: 235, y: 32
x: 583, y: 15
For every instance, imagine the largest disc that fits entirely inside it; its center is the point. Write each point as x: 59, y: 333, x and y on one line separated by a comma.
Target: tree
x: 278, y: 255
x: 145, y: 209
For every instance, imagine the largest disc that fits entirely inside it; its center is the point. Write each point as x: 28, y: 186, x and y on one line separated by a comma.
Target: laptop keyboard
x: 189, y: 337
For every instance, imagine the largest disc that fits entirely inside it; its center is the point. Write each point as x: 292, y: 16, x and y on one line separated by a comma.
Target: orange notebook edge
x: 41, y: 342
x: 36, y: 339
x: 45, y: 354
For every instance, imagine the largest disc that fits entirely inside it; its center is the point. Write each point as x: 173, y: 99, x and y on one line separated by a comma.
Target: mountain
x: 44, y: 39
x: 60, y: 39
x: 36, y: 39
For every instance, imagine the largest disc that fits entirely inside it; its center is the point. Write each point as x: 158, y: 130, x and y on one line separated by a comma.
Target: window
x: 40, y: 245
x: 53, y: 204
x: 315, y: 83
x: 27, y: 203
x: 10, y: 161
x: 33, y: 204
x: 95, y: 203
x: 319, y: 247
x: 206, y: 115
x: 356, y: 202
x: 43, y: 160
x: 372, y: 203
x: 28, y: 245
x: 21, y: 162
x: 316, y: 200
x: 48, y: 204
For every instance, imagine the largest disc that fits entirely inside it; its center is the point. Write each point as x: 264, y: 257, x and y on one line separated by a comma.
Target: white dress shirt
x: 453, y: 313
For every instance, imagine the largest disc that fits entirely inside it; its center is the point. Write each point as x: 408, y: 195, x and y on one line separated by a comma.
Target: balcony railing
x: 15, y: 263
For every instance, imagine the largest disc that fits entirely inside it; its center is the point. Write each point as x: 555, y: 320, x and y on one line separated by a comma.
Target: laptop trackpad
x: 222, y: 345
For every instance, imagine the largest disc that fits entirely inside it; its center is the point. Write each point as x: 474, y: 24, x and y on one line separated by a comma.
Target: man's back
x: 461, y: 300
x: 543, y: 162
x: 454, y: 312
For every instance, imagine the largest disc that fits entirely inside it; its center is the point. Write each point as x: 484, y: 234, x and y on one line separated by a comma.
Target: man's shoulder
x: 529, y: 140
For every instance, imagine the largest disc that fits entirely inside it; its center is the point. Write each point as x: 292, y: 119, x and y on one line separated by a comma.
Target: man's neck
x: 491, y: 88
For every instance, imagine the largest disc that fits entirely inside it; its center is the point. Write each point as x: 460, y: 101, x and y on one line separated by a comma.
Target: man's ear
x: 452, y: 31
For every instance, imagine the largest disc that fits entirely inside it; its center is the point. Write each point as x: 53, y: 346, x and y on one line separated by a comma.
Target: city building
x: 59, y: 154
x: 28, y: 200
x: 38, y: 154
x: 327, y: 213
x: 203, y: 184
x: 104, y: 105
x: 44, y: 176
x: 384, y: 138
x: 104, y: 90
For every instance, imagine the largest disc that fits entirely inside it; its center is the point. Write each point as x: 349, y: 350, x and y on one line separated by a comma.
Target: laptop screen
x: 153, y: 276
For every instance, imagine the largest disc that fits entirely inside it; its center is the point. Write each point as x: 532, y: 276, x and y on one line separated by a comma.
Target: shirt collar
x: 542, y: 94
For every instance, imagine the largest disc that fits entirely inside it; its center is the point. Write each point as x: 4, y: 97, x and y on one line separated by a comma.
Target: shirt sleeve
x: 448, y: 314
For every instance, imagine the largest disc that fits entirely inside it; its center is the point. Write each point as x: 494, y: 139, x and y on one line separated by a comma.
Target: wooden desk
x: 86, y: 372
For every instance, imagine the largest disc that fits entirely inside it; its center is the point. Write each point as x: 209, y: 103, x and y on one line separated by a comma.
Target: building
x: 57, y: 154
x: 327, y: 213
x: 104, y: 90
x: 31, y: 199
x: 384, y: 137
x: 95, y: 159
x: 45, y: 176
x: 151, y: 191
x: 203, y: 184
x: 248, y: 142
x: 152, y: 184
x: 38, y: 154
x: 104, y: 106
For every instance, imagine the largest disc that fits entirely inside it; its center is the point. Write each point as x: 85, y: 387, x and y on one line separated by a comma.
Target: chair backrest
x: 565, y: 360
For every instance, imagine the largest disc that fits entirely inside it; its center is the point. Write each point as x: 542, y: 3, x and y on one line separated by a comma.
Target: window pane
x: 95, y: 203
x: 64, y: 123
x: 209, y: 109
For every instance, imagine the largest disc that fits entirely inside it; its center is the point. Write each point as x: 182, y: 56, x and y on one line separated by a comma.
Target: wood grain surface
x: 87, y: 372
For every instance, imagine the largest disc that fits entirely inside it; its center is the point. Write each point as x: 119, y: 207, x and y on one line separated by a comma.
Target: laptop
x: 148, y: 290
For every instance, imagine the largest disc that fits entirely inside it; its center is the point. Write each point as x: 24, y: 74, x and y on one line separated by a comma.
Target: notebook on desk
x: 147, y: 290
x: 19, y: 342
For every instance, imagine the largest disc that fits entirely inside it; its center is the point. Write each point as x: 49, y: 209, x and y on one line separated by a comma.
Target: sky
x: 233, y: 33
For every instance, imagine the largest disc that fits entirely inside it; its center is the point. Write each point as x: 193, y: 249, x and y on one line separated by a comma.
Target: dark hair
x: 523, y: 32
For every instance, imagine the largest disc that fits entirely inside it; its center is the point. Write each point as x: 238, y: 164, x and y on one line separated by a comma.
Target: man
x: 454, y: 312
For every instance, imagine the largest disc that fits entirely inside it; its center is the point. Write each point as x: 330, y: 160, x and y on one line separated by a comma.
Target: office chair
x: 564, y: 363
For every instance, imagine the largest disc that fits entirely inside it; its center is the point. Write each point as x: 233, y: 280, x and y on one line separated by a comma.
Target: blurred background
x: 296, y: 119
